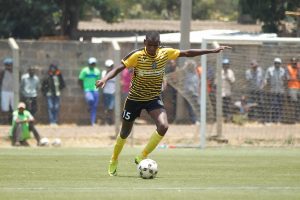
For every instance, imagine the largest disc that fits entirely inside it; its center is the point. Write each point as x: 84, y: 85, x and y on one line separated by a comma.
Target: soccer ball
x: 56, y: 142
x: 44, y: 141
x: 147, y: 169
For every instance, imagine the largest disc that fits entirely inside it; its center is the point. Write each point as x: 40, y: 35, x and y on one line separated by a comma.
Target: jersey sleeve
x: 173, y: 53
x: 130, y: 60
x: 82, y: 74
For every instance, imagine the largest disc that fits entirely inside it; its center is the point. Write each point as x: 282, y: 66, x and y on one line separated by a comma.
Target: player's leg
x: 16, y: 134
x: 130, y: 112
x: 35, y: 133
x: 159, y: 116
x: 120, y: 142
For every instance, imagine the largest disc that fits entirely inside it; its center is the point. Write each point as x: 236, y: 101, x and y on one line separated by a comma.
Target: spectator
x: 275, y: 78
x: 210, y: 80
x: 109, y: 94
x: 228, y: 79
x: 170, y: 93
x: 192, y: 89
x: 242, y: 108
x: 87, y: 78
x: 21, y: 124
x: 126, y: 75
x: 52, y: 85
x: 293, y: 77
x: 29, y: 86
x: 255, y: 77
x: 6, y: 87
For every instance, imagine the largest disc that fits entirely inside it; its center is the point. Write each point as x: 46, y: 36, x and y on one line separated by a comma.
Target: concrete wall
x: 72, y: 55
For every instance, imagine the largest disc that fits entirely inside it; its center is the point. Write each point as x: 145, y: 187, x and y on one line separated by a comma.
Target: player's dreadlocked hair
x: 153, y: 36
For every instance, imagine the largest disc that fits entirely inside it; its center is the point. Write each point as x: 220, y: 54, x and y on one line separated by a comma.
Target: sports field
x: 213, y: 173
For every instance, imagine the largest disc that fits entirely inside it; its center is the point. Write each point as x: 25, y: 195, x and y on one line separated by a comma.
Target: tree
x: 270, y: 12
x: 33, y: 19
x: 27, y: 18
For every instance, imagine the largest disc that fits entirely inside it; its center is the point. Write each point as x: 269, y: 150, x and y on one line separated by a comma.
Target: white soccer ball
x: 56, y: 142
x: 147, y: 169
x: 44, y: 141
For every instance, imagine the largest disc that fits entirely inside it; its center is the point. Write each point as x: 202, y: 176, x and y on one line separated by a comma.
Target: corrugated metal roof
x: 162, y: 25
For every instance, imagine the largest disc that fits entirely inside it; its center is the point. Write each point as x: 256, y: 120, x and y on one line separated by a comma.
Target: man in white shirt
x: 29, y: 86
x: 228, y: 79
x: 276, y: 78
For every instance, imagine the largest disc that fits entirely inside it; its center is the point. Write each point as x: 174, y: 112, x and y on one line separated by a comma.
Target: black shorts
x: 133, y: 109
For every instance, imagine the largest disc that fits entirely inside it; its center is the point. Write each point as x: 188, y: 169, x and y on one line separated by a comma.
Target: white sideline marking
x: 155, y: 188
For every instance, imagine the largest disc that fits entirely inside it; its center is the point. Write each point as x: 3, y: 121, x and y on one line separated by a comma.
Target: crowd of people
x: 51, y: 87
x: 263, y: 100
x: 267, y: 91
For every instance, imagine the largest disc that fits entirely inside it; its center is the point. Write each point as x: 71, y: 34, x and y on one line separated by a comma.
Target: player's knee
x: 162, y: 128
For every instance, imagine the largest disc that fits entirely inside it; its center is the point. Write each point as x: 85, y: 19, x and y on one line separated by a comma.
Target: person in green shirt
x: 21, y: 124
x: 87, y: 78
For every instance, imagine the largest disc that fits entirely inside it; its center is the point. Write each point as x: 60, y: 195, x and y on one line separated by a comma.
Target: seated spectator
x: 242, y: 109
x: 22, y: 123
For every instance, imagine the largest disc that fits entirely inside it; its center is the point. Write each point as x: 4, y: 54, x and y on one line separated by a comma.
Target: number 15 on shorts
x: 126, y: 115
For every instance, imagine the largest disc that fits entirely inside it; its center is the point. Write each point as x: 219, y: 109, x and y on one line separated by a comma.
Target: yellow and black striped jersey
x: 149, y: 71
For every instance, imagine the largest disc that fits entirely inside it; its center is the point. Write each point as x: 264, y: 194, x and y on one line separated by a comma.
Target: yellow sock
x: 152, y: 144
x: 118, y: 148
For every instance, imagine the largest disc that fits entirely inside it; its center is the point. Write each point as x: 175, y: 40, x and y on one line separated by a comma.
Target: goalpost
x: 16, y: 67
x: 207, y: 106
x: 254, y: 125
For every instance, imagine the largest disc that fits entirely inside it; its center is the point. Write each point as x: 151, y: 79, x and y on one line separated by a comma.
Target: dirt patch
x: 73, y: 135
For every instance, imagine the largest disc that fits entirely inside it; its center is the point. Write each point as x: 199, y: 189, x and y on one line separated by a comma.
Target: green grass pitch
x: 213, y: 173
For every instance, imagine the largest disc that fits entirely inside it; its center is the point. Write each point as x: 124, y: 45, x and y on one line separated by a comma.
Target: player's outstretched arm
x: 101, y: 83
x: 199, y: 52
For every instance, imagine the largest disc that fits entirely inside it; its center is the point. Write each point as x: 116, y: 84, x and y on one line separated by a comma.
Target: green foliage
x: 108, y: 10
x: 150, y: 9
x: 28, y: 19
x: 33, y: 19
x: 270, y: 12
x: 215, y: 9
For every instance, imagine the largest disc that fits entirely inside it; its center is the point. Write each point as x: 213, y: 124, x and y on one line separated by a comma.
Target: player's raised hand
x: 100, y: 83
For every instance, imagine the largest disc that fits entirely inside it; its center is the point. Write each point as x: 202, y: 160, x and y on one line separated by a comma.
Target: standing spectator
x: 126, y: 75
x: 255, y: 78
x: 275, y: 78
x: 22, y: 123
x: 192, y: 88
x: 293, y: 77
x: 87, y: 78
x: 169, y: 91
x: 52, y: 85
x: 6, y: 87
x: 29, y: 86
x: 109, y: 94
x: 210, y: 80
x: 228, y: 79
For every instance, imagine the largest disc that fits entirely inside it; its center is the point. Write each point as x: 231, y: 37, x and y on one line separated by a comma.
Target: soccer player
x: 148, y: 64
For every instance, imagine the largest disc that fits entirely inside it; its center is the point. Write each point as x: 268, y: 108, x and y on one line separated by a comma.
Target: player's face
x: 151, y: 46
